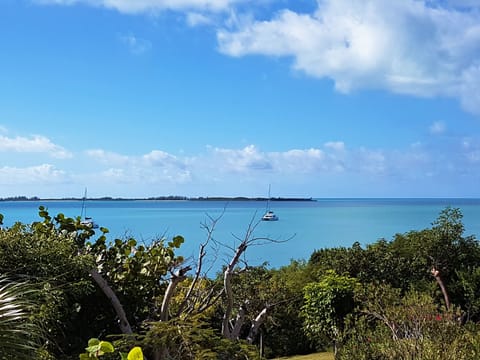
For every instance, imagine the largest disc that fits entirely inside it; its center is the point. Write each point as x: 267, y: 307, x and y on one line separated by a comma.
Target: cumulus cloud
x: 335, y: 145
x: 441, y: 158
x: 41, y: 174
x: 243, y: 160
x: 155, y: 158
x: 197, y: 19
x: 161, y: 158
x: 154, y: 167
x: 250, y: 160
x: 33, y: 144
x: 217, y: 168
x: 108, y: 157
x: 406, y: 47
x: 148, y: 6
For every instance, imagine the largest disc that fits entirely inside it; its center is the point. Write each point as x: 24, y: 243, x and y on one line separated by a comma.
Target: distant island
x: 159, y: 198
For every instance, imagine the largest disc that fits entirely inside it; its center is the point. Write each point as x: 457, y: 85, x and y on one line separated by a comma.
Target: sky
x: 327, y: 98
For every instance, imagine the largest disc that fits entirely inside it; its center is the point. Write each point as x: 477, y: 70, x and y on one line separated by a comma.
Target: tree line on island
x: 67, y: 291
x: 159, y: 198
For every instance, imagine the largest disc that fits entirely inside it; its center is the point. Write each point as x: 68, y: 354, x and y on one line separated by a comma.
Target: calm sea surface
x: 307, y: 225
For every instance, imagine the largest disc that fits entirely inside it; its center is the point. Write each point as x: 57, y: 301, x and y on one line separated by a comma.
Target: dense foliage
x: 415, y: 296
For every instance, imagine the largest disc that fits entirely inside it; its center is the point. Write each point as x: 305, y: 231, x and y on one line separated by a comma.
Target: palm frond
x: 18, y: 334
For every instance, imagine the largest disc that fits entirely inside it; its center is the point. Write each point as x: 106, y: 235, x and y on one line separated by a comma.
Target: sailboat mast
x: 268, y: 199
x: 84, y: 211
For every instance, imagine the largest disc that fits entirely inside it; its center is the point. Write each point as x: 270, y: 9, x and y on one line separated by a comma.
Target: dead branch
x: 436, y: 274
x: 117, y: 306
x: 209, y: 228
x: 256, y: 323
x: 176, y: 278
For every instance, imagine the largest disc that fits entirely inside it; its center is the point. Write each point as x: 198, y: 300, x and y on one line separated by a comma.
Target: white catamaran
x: 269, y: 214
x: 86, y: 220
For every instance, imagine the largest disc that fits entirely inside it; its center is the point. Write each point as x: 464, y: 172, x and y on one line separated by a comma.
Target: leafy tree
x: 390, y: 326
x: 283, y: 334
x: 326, y: 305
x: 48, y: 259
x: 418, y: 259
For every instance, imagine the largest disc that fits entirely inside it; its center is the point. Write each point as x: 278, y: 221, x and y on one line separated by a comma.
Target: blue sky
x: 327, y: 98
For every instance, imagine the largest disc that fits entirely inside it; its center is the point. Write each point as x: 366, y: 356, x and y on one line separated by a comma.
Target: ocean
x: 303, y: 226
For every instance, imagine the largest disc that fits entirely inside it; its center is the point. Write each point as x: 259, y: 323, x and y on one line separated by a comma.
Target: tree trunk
x: 117, y: 306
x: 227, y: 284
x: 178, y: 277
x: 239, y: 321
x: 259, y: 320
x: 436, y: 275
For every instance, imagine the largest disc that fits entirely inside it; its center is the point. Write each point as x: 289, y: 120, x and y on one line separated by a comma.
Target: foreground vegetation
x: 415, y: 296
x: 315, y: 356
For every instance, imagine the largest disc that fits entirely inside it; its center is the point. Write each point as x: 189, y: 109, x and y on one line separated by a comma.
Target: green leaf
x: 92, y: 349
x: 93, y: 342
x: 135, y: 354
x: 106, y: 347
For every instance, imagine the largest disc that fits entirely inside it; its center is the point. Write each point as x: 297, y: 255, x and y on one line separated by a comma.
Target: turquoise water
x: 306, y: 225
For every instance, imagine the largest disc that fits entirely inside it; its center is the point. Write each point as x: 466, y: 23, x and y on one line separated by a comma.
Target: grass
x: 317, y: 356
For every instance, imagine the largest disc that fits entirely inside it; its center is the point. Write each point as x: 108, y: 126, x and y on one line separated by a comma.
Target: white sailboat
x: 86, y: 220
x: 269, y: 214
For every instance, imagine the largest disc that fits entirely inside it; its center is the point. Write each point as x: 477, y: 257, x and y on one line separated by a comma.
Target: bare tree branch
x: 256, y: 323
x: 436, y: 274
x: 209, y: 228
x: 117, y: 306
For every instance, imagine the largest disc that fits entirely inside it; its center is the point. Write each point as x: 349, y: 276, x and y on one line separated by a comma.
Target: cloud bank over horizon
x: 210, y: 171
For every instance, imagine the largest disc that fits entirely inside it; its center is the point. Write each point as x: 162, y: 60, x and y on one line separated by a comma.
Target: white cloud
x: 242, y: 160
x: 336, y: 159
x: 108, y: 157
x: 155, y: 158
x: 33, y: 144
x: 149, y: 6
x: 234, y: 170
x: 335, y: 145
x: 161, y: 158
x: 295, y: 162
x: 369, y: 161
x: 298, y: 161
x: 471, y: 150
x: 197, y: 19
x: 154, y: 167
x: 135, y: 44
x: 470, y: 88
x: 36, y: 175
x: 405, y: 46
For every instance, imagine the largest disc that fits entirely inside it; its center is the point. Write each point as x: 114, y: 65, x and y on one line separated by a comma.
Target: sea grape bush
x: 97, y: 348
